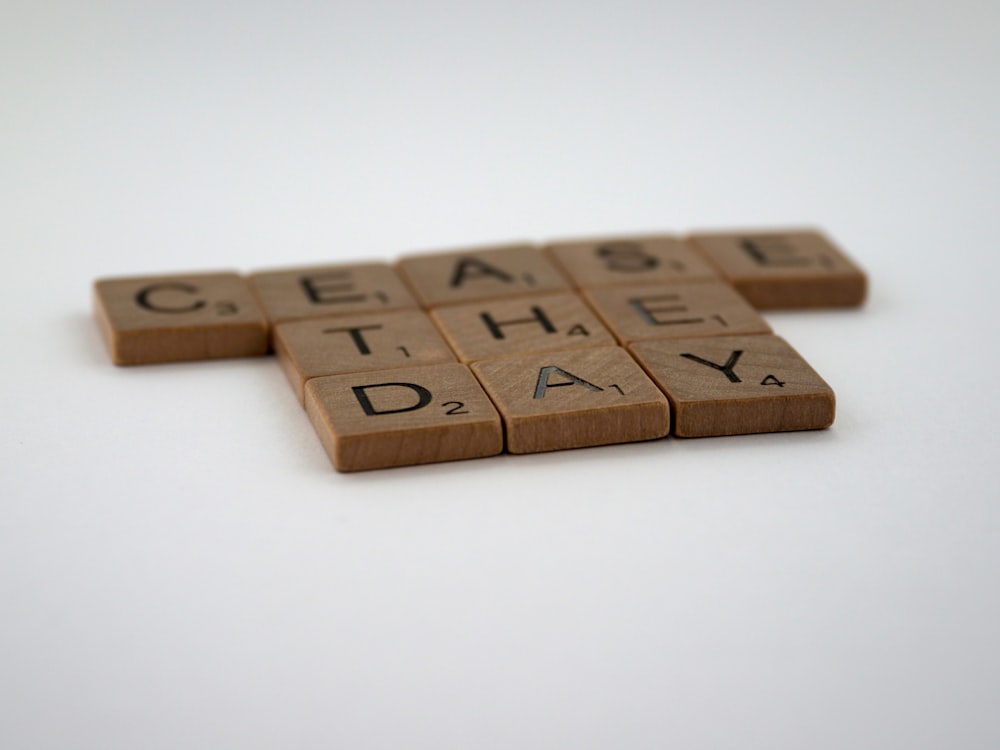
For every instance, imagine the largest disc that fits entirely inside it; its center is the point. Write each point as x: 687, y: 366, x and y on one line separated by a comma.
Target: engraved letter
x: 473, y: 267
x: 142, y: 298
x: 356, y: 337
x: 626, y: 256
x: 361, y: 393
x: 772, y: 251
x: 543, y: 381
x: 726, y: 369
x: 321, y: 291
x: 649, y: 314
x: 495, y: 326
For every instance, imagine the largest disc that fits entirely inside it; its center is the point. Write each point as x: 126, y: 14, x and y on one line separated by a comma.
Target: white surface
x: 180, y: 566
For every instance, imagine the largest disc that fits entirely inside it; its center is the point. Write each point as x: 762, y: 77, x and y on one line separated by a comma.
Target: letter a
x: 543, y: 381
x: 473, y: 267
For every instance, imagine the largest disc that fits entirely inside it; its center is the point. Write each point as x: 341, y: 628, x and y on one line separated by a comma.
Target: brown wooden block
x: 695, y: 308
x: 651, y: 259
x: 736, y: 385
x: 573, y: 399
x: 413, y: 415
x: 355, y: 343
x: 321, y: 291
x: 153, y: 319
x: 476, y: 274
x: 502, y: 328
x: 785, y: 269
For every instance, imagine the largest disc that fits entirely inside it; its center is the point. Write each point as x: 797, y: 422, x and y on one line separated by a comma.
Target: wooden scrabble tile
x: 695, y: 308
x: 476, y: 274
x: 506, y: 327
x: 181, y: 317
x: 413, y: 415
x: 573, y: 399
x: 355, y: 343
x: 785, y: 269
x: 736, y: 385
x: 629, y: 260
x: 321, y: 291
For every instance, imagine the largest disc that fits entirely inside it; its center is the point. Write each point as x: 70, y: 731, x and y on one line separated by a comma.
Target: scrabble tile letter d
x: 402, y: 417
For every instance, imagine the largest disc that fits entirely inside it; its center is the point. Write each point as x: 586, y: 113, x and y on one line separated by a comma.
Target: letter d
x: 361, y: 393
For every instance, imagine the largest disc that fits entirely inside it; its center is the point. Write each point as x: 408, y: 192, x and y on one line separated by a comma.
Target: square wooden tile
x: 574, y: 399
x: 736, y: 385
x: 153, y: 319
x: 695, y: 308
x: 355, y: 343
x: 506, y: 327
x: 785, y: 269
x: 414, y: 415
x: 654, y: 259
x: 453, y: 277
x: 322, y: 291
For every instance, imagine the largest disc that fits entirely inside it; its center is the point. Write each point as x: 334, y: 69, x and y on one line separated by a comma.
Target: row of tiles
x: 692, y: 387
x: 196, y: 316
x: 499, y: 328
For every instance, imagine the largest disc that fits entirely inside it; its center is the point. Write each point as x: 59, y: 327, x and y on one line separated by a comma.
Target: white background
x: 181, y: 567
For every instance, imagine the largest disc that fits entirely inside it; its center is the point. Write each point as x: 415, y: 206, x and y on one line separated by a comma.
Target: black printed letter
x: 772, y: 251
x: 361, y: 392
x: 320, y: 293
x: 539, y: 317
x: 726, y: 369
x: 142, y: 298
x: 626, y: 256
x: 472, y: 267
x: 649, y: 313
x: 543, y: 381
x: 356, y: 336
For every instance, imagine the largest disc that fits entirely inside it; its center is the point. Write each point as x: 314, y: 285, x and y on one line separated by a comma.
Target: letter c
x: 142, y: 297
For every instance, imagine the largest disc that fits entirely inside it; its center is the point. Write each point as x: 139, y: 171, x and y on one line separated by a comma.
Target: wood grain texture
x: 574, y: 399
x: 176, y: 318
x: 403, y: 417
x: 785, y: 269
x: 321, y: 291
x: 357, y: 343
x: 659, y: 311
x: 508, y: 327
x: 737, y: 385
x: 652, y: 259
x: 476, y: 274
